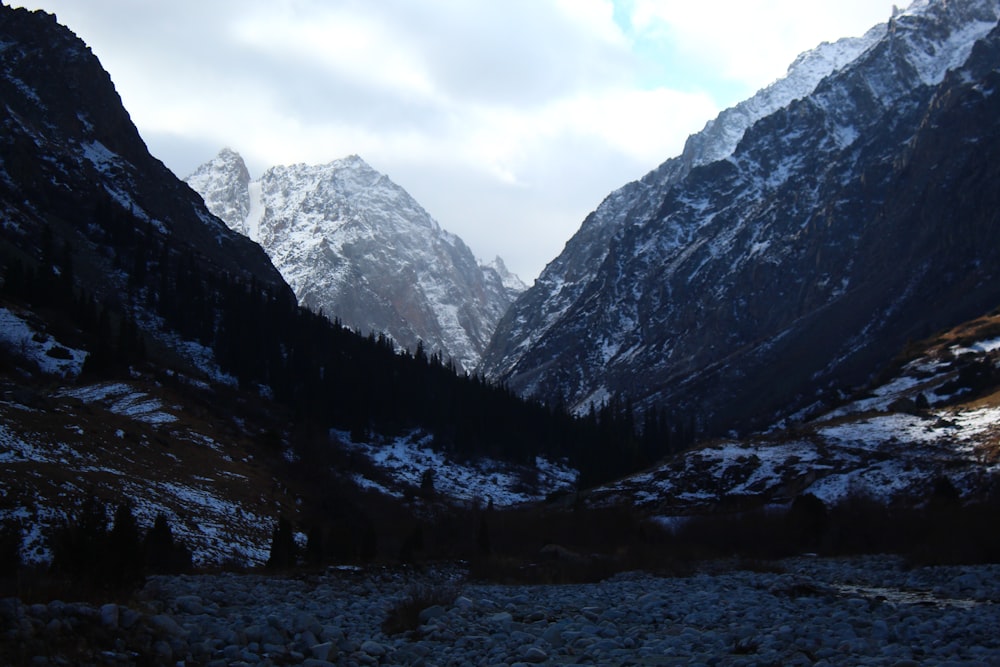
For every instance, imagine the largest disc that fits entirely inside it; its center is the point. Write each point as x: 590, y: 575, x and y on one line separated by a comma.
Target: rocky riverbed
x: 862, y: 611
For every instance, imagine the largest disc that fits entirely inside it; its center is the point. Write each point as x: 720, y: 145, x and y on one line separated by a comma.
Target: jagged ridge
x: 693, y: 286
x: 356, y: 246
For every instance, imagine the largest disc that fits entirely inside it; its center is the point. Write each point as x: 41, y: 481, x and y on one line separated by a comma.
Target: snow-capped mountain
x: 150, y: 356
x: 356, y: 246
x: 564, y: 279
x: 794, y: 246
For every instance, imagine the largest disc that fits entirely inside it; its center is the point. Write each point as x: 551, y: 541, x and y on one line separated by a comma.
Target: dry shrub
x: 404, y: 616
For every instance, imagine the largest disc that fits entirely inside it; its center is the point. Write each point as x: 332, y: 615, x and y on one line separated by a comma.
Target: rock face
x: 795, y: 246
x: 72, y: 161
x: 356, y: 246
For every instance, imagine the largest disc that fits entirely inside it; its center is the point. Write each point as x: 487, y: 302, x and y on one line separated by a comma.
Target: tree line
x: 327, y: 374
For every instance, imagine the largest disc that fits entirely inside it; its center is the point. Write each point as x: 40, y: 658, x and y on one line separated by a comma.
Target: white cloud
x: 508, y: 121
x: 344, y: 43
x: 750, y: 41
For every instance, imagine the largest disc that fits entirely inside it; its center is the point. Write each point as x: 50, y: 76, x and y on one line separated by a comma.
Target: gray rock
x: 56, y: 608
x: 431, y: 613
x: 306, y: 639
x: 274, y: 649
x: 784, y: 629
x: 128, y: 617
x: 535, y: 655
x: 331, y: 633
x: 253, y: 633
x: 880, y: 630
x: 272, y: 635
x: 316, y: 662
x: 373, y: 648
x: 189, y: 604
x: 304, y: 622
x: 502, y: 619
x: 10, y: 609
x: 165, y: 625
x: 162, y: 651
x: 109, y: 616
x: 323, y: 651
x: 553, y: 635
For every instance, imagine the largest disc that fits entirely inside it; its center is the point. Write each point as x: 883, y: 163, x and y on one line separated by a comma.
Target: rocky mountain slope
x: 356, y: 246
x: 218, y: 463
x: 800, y: 240
x: 59, y: 101
x: 935, y: 416
x: 151, y: 355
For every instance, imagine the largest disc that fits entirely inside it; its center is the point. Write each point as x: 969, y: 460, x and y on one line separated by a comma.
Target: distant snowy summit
x: 358, y: 247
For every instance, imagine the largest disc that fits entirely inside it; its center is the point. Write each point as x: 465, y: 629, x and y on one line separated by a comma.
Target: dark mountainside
x: 843, y: 226
x: 151, y: 356
x: 60, y: 103
x: 90, y: 216
x: 166, y: 408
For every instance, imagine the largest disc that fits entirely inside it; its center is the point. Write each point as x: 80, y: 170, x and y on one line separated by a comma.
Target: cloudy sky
x: 508, y: 120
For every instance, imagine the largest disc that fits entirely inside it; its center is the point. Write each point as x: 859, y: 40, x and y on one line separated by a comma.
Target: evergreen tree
x: 10, y: 548
x: 427, y: 483
x: 161, y: 552
x: 483, y: 543
x: 282, y: 554
x: 315, y: 553
x: 78, y: 546
x: 122, y: 565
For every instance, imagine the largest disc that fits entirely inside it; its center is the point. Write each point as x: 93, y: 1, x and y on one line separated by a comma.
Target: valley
x: 750, y: 415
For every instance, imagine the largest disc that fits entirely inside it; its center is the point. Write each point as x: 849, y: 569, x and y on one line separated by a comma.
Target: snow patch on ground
x: 15, y: 448
x: 45, y: 351
x: 879, y: 446
x: 124, y: 400
x: 213, y: 528
x: 407, y: 459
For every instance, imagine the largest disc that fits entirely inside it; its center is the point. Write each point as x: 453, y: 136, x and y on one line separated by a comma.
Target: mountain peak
x: 355, y: 245
x: 225, y: 197
x: 354, y: 160
x: 511, y: 281
x: 677, y: 291
x: 228, y: 153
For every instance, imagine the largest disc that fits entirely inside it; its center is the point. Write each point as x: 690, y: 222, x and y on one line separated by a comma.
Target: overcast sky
x: 508, y: 120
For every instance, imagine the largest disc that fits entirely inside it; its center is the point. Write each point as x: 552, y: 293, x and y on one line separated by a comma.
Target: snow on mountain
x: 37, y: 347
x: 790, y: 246
x: 406, y: 460
x: 937, y: 417
x: 511, y: 281
x: 174, y: 446
x: 563, y: 280
x: 229, y: 198
x: 356, y: 246
x: 123, y: 312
